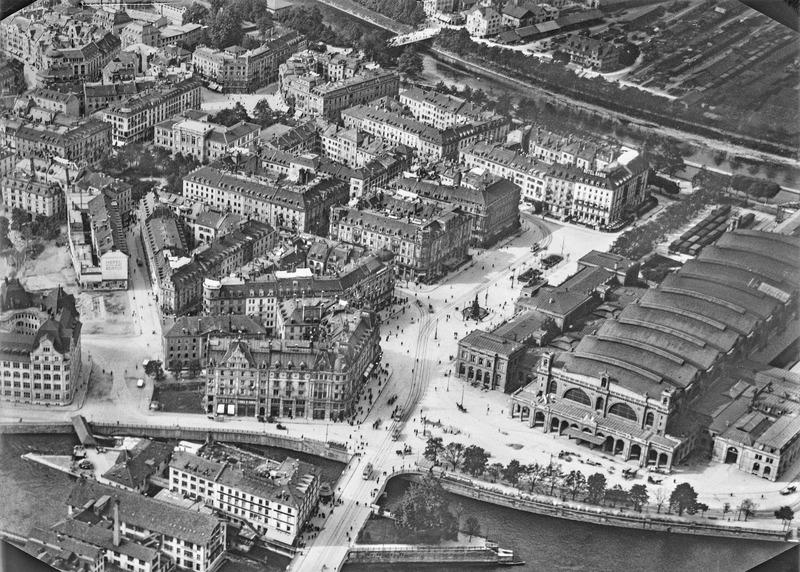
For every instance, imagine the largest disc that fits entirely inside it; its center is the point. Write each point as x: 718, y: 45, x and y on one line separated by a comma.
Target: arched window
x: 623, y: 410
x: 649, y: 419
x: 553, y: 387
x: 578, y: 395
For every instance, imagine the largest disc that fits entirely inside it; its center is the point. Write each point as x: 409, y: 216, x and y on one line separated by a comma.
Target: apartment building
x: 375, y: 174
x: 589, y: 155
x: 365, y: 283
x: 429, y: 142
x: 440, y: 110
x: 312, y: 379
x: 84, y: 142
x: 40, y: 345
x: 134, y: 119
x: 320, y: 95
x: 101, y: 95
x: 299, y: 202
x: 492, y: 203
x: 237, y: 70
x: 177, y: 277
x: 187, y: 339
x: 188, y: 539
x: 427, y: 240
x: 201, y: 140
x: 433, y: 7
x: 26, y: 192
x: 591, y: 53
x: 66, y: 103
x: 565, y: 191
x: 351, y: 147
x: 483, y: 21
x: 275, y: 499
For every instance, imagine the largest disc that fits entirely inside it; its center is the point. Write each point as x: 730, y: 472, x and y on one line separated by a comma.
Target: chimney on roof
x: 116, y: 523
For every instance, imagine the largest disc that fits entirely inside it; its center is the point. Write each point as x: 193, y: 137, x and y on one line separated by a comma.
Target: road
x: 356, y: 494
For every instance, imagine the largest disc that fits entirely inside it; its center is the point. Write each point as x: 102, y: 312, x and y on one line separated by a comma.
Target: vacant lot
x: 186, y: 398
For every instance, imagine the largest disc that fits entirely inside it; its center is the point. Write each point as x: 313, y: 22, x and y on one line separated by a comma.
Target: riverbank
x: 606, y: 516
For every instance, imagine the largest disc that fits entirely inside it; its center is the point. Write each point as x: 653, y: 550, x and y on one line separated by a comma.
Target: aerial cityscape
x: 323, y: 285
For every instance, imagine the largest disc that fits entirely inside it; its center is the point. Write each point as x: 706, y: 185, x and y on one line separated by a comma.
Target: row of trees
x: 553, y: 480
x: 191, y: 367
x: 5, y: 242
x: 640, y: 240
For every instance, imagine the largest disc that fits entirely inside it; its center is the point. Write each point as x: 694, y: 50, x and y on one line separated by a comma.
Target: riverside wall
x: 308, y: 446
x: 550, y: 506
x: 401, y: 553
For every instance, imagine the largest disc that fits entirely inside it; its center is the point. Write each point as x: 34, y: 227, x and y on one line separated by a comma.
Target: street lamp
x: 436, y: 330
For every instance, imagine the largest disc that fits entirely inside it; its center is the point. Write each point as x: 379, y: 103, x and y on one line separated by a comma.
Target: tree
x: 231, y: 115
x: 410, y: 62
x: 472, y: 527
x: 433, y: 448
x: 575, y: 482
x: 747, y: 508
x: 786, y: 514
x: 726, y: 508
x: 666, y: 156
x: 533, y: 473
x: 193, y: 368
x: 494, y: 471
x: 554, y: 476
x: 661, y: 498
x: 512, y: 472
x: 701, y: 507
x: 154, y: 370
x: 638, y: 496
x: 19, y: 218
x: 503, y: 105
x: 176, y: 367
x: 475, y: 460
x: 453, y: 454
x: 424, y: 509
x: 682, y: 498
x: 616, y: 494
x: 5, y: 242
x: 195, y: 14
x: 596, y: 488
x: 225, y: 30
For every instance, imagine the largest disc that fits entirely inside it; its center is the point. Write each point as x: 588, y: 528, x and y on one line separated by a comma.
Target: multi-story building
x: 319, y: 94
x: 483, y: 21
x: 188, y: 539
x: 366, y: 283
x: 177, y: 278
x: 134, y: 118
x: 295, y: 140
x: 99, y: 96
x: 236, y: 70
x: 187, y: 339
x: 491, y: 203
x: 632, y: 387
x: 597, y: 199
x: 373, y: 175
x: 66, y: 103
x: 313, y: 379
x: 591, y: 53
x: 134, y: 467
x: 586, y: 154
x: 351, y: 147
x: 297, y: 203
x: 490, y: 360
x: 442, y: 110
x: 85, y: 142
x: 40, y: 343
x: 429, y: 142
x: 427, y: 240
x: 433, y: 7
x: 118, y: 191
x: 211, y: 224
x: 111, y: 20
x: 204, y: 141
x: 11, y: 77
x: 275, y: 499
x: 26, y: 192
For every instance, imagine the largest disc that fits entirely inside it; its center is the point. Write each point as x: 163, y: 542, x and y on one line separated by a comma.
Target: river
x: 552, y: 544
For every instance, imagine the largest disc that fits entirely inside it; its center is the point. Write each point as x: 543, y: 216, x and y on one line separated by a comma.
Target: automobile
x: 788, y: 490
x: 535, y: 247
x: 654, y: 481
x: 140, y: 383
x: 551, y: 261
x: 395, y: 434
x: 155, y: 405
x: 85, y: 464
x: 139, y: 262
x: 145, y: 362
x: 281, y: 426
